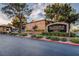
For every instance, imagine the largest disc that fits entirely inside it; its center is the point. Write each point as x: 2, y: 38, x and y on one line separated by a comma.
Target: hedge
x: 53, y: 38
x: 39, y: 36
x: 63, y: 39
x: 22, y: 34
x: 58, y: 34
x: 13, y: 33
x: 76, y: 40
x: 33, y: 36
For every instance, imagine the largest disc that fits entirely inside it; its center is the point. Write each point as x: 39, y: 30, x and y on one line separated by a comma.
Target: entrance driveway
x: 16, y: 46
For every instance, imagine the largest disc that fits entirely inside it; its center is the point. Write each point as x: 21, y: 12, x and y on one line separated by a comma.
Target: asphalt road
x: 16, y: 46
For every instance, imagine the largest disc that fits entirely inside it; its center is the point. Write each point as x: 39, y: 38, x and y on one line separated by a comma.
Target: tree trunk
x: 69, y: 30
x: 19, y: 29
x: 20, y: 26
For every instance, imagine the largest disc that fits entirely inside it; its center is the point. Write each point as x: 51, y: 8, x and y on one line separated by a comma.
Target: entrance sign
x: 57, y: 27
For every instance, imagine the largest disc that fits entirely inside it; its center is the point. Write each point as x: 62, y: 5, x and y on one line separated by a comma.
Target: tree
x: 61, y: 13
x: 17, y: 9
x: 16, y: 22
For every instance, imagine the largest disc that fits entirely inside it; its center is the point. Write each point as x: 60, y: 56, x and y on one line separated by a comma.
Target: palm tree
x: 17, y: 9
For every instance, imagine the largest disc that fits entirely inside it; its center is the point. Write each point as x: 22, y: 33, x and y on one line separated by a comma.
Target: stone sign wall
x: 57, y: 27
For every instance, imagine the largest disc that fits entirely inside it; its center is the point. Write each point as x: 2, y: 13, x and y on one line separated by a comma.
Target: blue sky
x: 37, y: 13
x: 75, y: 6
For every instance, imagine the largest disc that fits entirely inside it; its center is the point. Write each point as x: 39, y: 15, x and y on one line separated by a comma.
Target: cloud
x: 4, y: 19
x: 38, y: 12
x: 36, y: 15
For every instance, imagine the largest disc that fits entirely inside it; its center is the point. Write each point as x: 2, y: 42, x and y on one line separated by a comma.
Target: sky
x: 37, y: 13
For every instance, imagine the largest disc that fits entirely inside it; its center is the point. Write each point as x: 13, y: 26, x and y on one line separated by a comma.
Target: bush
x: 48, y: 37
x: 22, y: 34
x: 33, y: 36
x: 39, y: 36
x: 63, y: 39
x: 13, y: 33
x: 75, y: 40
x: 45, y: 34
x: 55, y: 38
x: 72, y: 34
x: 55, y: 34
x: 58, y: 34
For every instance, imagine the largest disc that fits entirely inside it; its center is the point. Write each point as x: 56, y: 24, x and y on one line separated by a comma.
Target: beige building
x: 5, y: 29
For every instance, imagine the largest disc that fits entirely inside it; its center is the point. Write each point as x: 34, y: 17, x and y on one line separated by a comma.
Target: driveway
x: 16, y: 46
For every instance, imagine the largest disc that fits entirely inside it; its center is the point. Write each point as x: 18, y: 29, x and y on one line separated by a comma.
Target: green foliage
x: 64, y: 34
x: 16, y: 22
x: 53, y: 38
x: 63, y: 39
x: 61, y: 12
x: 48, y: 37
x: 76, y: 40
x: 33, y: 36
x: 19, y: 34
x: 39, y: 36
x: 56, y: 34
x: 72, y: 34
x: 13, y: 33
x: 22, y: 34
x: 56, y: 38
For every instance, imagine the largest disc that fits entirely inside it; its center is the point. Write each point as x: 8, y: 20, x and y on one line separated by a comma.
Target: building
x: 35, y: 27
x: 5, y: 29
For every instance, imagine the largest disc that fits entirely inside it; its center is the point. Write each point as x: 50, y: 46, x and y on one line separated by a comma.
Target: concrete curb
x: 48, y: 40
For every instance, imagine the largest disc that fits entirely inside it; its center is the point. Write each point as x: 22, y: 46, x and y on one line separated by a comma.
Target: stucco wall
x: 5, y: 29
x: 40, y: 25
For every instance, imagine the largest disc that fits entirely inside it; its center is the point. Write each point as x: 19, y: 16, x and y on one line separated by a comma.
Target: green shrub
x: 58, y: 34
x: 63, y: 39
x: 22, y: 34
x: 55, y: 34
x: 44, y: 34
x: 13, y: 33
x: 75, y: 40
x: 33, y: 36
x: 39, y: 36
x: 48, y: 37
x: 72, y: 34
x: 55, y: 38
